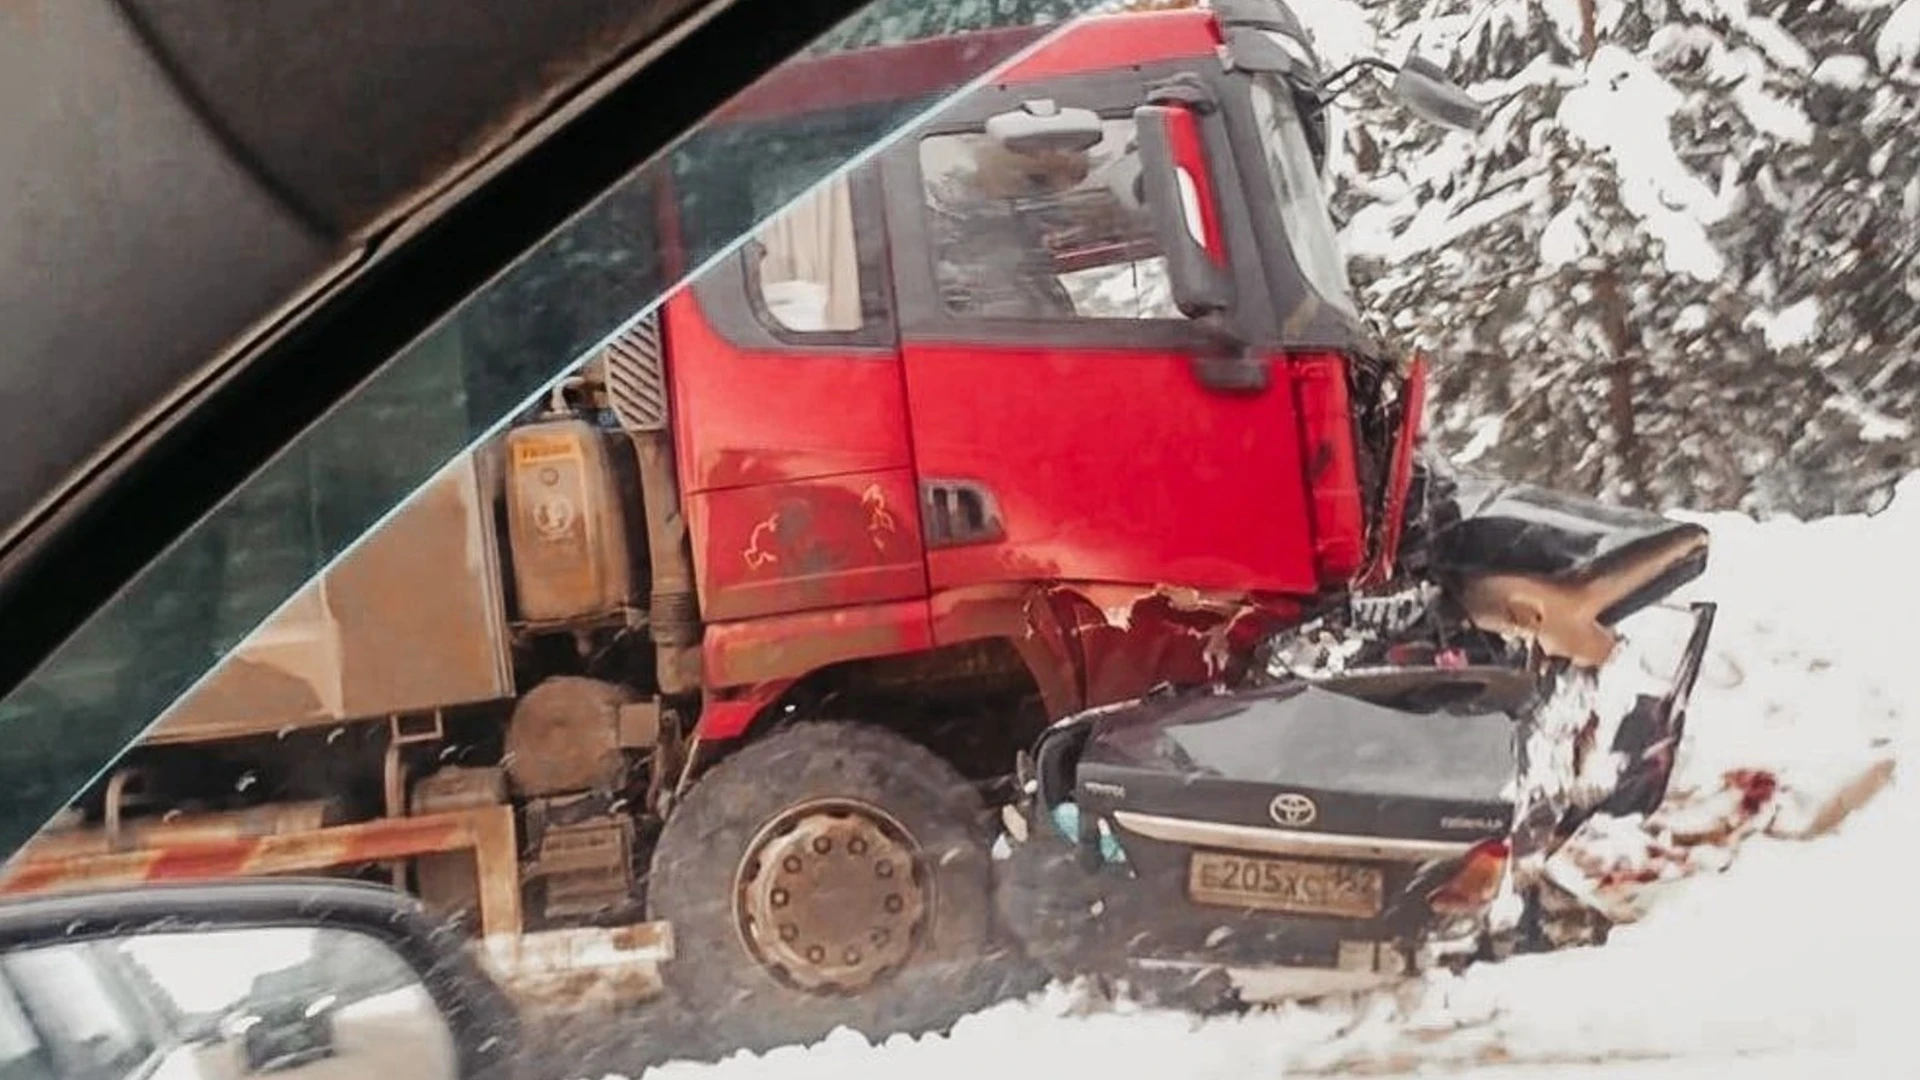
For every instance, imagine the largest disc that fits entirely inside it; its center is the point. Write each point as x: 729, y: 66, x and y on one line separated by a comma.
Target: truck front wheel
x: 831, y: 874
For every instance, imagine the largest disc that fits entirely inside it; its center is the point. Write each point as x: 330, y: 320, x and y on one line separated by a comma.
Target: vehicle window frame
x: 102, y: 533
x: 64, y: 746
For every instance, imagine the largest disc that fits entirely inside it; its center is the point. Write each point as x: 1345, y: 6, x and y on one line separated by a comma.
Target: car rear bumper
x: 1140, y: 912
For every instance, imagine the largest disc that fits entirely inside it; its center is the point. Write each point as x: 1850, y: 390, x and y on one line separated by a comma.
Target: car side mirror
x: 1423, y: 87
x: 1180, y: 199
x: 261, y: 976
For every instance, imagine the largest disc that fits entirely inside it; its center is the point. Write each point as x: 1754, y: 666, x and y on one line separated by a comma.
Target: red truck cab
x: 953, y: 395
x: 1060, y: 396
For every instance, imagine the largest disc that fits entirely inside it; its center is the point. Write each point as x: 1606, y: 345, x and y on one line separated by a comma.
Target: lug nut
x: 791, y: 864
x: 789, y: 932
x: 852, y: 955
x: 856, y: 846
x: 816, y: 954
x: 779, y: 898
x: 883, y: 868
x: 894, y: 904
x: 822, y: 845
x: 879, y: 936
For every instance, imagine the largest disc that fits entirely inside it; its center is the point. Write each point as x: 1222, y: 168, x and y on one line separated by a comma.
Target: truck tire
x: 830, y: 874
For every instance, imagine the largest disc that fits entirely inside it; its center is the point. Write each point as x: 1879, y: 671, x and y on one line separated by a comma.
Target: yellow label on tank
x: 534, y: 449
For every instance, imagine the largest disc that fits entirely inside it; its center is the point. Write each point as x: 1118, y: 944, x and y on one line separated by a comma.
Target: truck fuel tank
x: 567, y: 521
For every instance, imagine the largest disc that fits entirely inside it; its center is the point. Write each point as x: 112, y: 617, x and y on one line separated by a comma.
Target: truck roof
x: 939, y: 65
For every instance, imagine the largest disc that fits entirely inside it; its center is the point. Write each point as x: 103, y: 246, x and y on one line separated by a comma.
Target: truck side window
x: 1043, y: 236
x: 805, y: 263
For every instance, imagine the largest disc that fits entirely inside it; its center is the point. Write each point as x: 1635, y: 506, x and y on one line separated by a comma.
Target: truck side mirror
x: 1423, y: 87
x: 1181, y: 201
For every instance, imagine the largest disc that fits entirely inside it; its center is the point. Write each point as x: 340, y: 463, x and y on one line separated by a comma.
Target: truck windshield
x: 1304, y: 217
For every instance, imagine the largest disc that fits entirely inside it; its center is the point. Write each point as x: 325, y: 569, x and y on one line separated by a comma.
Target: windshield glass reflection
x: 604, y: 269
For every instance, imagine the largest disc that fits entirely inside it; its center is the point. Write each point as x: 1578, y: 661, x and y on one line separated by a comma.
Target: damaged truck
x: 740, y: 653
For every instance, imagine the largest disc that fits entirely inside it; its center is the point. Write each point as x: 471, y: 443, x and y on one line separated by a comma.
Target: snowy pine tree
x: 1674, y: 267
x: 1844, y: 247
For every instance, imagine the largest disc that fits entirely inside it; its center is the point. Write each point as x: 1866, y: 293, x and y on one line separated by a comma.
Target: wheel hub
x: 831, y: 896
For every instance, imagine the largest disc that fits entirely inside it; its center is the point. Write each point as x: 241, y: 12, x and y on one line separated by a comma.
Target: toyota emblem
x: 1293, y: 809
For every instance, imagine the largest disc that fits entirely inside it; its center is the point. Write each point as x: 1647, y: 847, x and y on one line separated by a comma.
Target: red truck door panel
x: 791, y: 427
x: 1059, y: 426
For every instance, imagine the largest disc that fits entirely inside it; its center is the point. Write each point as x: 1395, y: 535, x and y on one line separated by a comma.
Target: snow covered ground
x: 1795, y: 961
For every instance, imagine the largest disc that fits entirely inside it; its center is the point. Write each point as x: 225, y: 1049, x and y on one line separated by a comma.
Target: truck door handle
x: 1237, y: 372
x: 958, y: 512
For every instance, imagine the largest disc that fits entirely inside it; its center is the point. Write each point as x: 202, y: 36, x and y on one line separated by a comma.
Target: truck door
x: 1062, y: 425
x: 791, y: 430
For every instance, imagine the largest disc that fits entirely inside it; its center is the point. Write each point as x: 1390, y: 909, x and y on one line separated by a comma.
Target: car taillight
x: 1476, y: 883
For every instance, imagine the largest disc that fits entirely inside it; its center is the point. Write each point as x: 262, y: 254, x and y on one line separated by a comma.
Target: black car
x: 286, y: 1020
x: 1213, y: 836
x: 1379, y: 800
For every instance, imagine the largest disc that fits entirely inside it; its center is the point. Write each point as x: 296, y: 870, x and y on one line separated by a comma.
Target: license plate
x: 1298, y: 888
